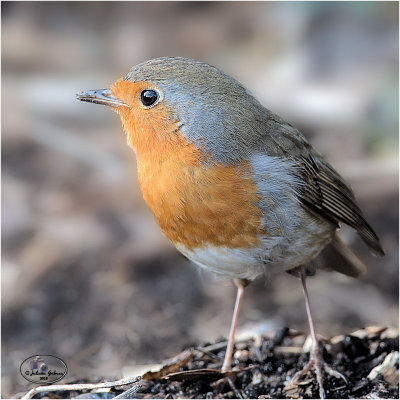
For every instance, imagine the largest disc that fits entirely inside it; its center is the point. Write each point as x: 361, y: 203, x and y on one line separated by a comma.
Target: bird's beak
x: 100, y: 96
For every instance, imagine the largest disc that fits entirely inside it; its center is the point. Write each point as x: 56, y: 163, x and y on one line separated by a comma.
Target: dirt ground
x: 264, y: 366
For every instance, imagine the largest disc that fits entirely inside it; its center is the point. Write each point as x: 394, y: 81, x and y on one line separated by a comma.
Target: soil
x: 263, y: 368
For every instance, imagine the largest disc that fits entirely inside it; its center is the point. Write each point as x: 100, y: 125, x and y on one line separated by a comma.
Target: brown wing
x: 323, y: 191
x: 326, y: 193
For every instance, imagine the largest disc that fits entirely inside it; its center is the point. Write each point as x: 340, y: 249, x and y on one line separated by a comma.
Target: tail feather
x: 338, y: 257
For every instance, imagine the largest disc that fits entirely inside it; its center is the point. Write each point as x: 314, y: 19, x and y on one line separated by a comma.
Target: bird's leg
x: 316, y: 359
x: 315, y: 354
x: 240, y: 284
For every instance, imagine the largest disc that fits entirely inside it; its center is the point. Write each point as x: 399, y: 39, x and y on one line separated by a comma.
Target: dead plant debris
x: 263, y: 368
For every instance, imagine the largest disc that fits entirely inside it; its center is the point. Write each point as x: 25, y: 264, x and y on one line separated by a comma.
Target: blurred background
x: 86, y: 273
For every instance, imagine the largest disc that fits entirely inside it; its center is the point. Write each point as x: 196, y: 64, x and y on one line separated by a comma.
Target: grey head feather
x: 214, y: 110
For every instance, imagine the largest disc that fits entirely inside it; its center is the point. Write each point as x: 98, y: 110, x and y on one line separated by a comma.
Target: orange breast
x: 194, y: 205
x: 197, y: 206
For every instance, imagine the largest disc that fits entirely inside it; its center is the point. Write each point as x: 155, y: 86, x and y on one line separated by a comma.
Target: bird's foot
x: 318, y: 364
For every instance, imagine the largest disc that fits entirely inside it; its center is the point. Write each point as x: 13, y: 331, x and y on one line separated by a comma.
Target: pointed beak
x: 100, y: 96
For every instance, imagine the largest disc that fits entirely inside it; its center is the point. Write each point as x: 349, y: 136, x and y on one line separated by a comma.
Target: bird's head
x: 168, y: 99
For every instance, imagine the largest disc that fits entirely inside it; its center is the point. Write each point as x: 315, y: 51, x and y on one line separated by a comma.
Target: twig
x: 81, y: 386
x: 209, y: 354
x: 235, y: 389
x: 214, y: 346
x: 128, y: 393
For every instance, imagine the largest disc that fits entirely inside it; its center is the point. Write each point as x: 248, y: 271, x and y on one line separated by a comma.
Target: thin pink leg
x: 308, y: 307
x: 315, y: 352
x: 240, y: 284
x: 316, y: 360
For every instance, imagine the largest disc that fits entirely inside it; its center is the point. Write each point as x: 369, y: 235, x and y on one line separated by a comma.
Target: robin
x: 234, y: 187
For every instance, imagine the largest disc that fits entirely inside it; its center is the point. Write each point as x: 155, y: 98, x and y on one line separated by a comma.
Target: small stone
x: 257, y: 378
x: 241, y: 355
x: 307, y: 344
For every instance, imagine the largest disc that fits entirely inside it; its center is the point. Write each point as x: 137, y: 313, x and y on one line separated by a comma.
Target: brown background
x: 86, y: 274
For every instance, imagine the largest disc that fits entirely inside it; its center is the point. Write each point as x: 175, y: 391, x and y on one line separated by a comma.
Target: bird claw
x: 317, y: 363
x: 329, y: 370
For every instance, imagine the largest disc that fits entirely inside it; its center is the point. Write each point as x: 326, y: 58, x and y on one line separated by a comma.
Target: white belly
x: 234, y: 263
x: 273, y: 253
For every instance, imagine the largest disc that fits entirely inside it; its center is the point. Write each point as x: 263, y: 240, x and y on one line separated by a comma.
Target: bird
x: 237, y: 190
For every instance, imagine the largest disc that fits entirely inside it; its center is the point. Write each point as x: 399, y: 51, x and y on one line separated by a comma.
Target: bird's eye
x: 148, y: 97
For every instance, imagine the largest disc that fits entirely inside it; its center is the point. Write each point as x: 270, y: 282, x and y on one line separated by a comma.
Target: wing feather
x: 325, y: 192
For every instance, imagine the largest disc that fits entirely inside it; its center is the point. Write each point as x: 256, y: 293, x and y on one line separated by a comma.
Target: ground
x: 263, y: 368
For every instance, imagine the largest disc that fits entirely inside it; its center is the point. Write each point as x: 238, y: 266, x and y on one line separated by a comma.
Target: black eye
x: 148, y: 97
